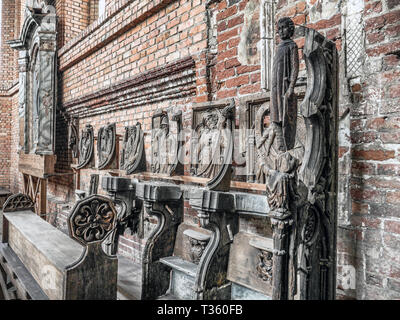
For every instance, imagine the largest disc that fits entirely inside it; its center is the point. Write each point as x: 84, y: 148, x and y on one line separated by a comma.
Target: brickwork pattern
x: 135, y: 38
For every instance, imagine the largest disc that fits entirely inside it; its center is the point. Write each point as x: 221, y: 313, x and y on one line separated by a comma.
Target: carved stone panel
x: 73, y: 136
x: 38, y: 77
x: 106, y: 145
x: 212, y: 144
x: 86, y: 144
x: 133, y: 155
x: 166, y: 143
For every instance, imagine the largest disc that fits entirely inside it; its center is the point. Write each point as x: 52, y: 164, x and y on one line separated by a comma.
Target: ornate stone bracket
x: 164, y: 201
x: 198, y: 242
x: 212, y: 144
x: 122, y: 192
x: 216, y: 213
x: 73, y: 136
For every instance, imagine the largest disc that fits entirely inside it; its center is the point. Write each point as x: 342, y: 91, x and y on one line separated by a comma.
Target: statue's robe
x: 285, y: 72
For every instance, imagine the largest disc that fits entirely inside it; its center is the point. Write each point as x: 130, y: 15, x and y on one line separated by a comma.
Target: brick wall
x: 124, y: 53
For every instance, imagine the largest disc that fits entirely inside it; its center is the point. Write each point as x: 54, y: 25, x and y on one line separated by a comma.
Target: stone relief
x: 73, y: 136
x: 86, y: 144
x: 212, y: 146
x: 166, y: 144
x: 106, y: 145
x: 264, y: 266
x: 132, y: 155
x: 37, y: 94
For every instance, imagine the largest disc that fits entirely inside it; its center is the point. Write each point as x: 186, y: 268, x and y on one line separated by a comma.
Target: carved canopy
x: 37, y: 65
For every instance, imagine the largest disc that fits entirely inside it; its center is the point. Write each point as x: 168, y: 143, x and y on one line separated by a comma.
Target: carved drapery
x: 38, y: 77
x: 73, y: 136
x: 133, y: 155
x: 92, y: 219
x: 317, y: 222
x: 212, y: 146
x: 106, y: 145
x: 86, y: 143
x: 166, y: 143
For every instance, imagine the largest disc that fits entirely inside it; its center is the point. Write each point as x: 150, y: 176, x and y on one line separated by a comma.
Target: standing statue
x: 208, y: 153
x: 283, y: 99
x: 162, y: 145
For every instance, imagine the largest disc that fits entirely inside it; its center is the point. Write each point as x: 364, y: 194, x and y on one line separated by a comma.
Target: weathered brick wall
x: 105, y: 66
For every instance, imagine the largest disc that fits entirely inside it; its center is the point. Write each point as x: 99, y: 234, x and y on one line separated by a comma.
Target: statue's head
x: 285, y: 28
x: 164, y: 125
x: 210, y: 120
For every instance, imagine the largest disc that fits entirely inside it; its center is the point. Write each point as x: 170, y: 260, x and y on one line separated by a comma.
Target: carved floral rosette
x: 132, y: 155
x: 106, y: 145
x: 86, y: 143
x: 92, y: 219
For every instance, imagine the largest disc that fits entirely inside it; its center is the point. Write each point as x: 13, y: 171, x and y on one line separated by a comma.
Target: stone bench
x: 38, y: 261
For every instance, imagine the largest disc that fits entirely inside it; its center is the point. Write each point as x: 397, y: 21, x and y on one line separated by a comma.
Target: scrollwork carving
x: 92, y: 219
x: 73, y: 136
x: 18, y: 202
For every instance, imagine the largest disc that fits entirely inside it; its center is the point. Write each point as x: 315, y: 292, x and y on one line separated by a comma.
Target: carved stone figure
x: 73, y: 136
x: 132, y: 156
x: 86, y: 143
x: 166, y: 144
x: 264, y: 267
x: 213, y: 147
x: 283, y: 98
x: 106, y: 145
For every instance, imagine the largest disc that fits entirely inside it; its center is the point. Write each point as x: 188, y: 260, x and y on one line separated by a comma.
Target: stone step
x: 182, y: 278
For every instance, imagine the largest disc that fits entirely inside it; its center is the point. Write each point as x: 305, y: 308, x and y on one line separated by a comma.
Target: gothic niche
x: 73, y: 136
x: 166, y: 143
x: 106, y: 145
x: 37, y: 47
x: 133, y: 155
x: 86, y: 143
x: 212, y: 145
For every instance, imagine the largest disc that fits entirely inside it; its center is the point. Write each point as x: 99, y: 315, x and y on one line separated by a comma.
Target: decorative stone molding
x: 133, y: 154
x: 172, y: 81
x: 38, y: 77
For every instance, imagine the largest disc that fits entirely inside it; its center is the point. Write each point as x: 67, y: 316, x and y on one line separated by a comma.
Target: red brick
x: 378, y: 154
